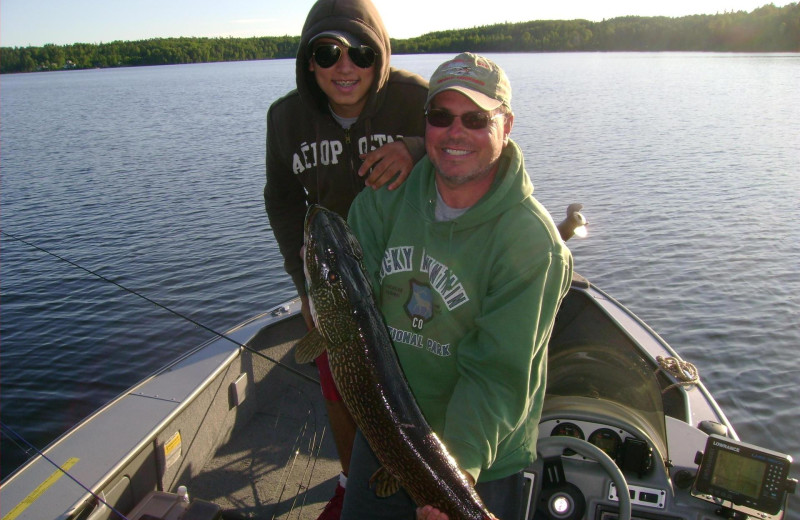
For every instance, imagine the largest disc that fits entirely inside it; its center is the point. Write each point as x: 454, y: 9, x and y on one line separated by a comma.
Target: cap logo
x: 457, y: 71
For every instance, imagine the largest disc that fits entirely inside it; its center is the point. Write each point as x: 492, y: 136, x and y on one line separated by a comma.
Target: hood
x: 359, y: 18
x: 511, y: 187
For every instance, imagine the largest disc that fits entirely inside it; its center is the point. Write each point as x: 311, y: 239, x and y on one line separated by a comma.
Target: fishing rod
x: 168, y: 309
x: 14, y: 512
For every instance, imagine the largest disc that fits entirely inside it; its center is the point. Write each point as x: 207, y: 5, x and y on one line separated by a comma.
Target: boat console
x: 604, y: 390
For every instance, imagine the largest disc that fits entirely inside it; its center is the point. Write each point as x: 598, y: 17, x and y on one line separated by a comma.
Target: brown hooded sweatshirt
x: 311, y: 159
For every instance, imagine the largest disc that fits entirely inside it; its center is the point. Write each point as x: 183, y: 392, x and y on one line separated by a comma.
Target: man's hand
x: 430, y: 513
x: 390, y: 161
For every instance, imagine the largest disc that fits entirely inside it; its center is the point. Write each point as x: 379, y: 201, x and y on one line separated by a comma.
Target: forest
x: 765, y: 29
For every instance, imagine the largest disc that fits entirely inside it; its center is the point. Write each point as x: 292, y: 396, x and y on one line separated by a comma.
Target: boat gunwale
x: 281, y: 312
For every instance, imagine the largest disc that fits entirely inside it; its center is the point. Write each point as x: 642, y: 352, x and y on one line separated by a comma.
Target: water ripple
x: 153, y: 177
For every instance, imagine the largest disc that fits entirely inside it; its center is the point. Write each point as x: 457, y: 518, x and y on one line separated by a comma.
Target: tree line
x: 156, y: 51
x: 765, y: 29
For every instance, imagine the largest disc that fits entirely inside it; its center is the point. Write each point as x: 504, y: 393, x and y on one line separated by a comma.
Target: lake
x: 688, y: 165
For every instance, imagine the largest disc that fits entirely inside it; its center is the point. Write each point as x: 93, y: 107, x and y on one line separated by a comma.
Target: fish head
x: 333, y: 265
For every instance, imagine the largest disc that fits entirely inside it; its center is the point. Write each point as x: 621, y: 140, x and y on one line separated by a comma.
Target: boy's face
x: 346, y: 85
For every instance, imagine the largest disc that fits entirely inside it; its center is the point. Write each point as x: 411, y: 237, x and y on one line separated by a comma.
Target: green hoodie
x: 470, y: 305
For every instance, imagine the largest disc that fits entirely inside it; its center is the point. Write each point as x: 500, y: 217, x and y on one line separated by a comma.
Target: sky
x: 61, y: 22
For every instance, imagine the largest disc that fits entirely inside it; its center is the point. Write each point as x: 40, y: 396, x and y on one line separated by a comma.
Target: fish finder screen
x: 742, y: 475
x: 754, y: 480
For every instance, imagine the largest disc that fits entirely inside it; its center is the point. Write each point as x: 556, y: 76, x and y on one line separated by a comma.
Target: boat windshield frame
x: 621, y: 377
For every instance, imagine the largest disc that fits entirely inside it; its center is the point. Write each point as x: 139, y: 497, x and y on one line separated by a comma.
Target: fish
x: 368, y: 374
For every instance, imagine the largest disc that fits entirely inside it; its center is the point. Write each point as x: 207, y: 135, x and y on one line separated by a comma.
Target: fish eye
x: 330, y: 262
x: 330, y: 256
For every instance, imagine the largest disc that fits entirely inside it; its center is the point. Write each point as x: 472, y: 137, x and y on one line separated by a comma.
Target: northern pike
x: 369, y: 377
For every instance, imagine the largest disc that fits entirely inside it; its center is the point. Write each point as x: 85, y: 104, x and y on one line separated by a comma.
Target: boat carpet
x: 282, y: 464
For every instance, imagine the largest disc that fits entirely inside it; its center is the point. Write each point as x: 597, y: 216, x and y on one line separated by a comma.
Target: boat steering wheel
x: 555, y: 446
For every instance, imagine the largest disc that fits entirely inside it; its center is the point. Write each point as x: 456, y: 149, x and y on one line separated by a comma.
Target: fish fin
x: 384, y: 483
x: 309, y: 347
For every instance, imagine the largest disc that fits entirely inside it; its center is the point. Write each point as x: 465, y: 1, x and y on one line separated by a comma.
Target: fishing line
x: 16, y: 435
x: 168, y: 309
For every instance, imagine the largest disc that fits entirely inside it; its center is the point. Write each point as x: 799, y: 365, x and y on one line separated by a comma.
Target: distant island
x: 766, y: 29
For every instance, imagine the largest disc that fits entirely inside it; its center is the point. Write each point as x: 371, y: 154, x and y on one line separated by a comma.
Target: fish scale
x: 368, y: 374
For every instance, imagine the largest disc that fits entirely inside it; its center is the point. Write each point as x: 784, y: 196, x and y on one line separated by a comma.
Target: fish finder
x: 754, y: 480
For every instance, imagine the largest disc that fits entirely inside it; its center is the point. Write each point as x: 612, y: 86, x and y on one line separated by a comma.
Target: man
x: 469, y: 270
x: 349, y: 107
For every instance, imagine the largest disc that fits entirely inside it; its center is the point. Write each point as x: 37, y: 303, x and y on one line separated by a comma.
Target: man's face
x: 461, y: 155
x: 346, y: 85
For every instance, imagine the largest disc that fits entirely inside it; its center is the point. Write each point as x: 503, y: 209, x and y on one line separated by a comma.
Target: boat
x: 236, y: 429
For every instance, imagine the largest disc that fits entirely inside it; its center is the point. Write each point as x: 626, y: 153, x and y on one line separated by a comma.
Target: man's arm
x: 502, y: 362
x: 285, y: 203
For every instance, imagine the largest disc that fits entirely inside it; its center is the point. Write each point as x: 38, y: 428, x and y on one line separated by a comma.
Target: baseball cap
x: 478, y: 78
x: 345, y: 38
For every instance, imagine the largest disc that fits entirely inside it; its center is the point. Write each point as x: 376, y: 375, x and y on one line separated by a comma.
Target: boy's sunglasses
x: 471, y: 120
x: 327, y: 54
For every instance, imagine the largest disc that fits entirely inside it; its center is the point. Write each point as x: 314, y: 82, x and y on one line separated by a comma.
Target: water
x: 687, y: 165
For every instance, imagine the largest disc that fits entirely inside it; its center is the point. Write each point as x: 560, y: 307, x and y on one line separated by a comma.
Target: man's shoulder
x: 383, y: 203
x: 531, y: 219
x: 380, y: 198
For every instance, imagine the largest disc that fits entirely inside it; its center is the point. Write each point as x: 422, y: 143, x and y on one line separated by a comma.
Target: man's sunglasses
x: 327, y: 54
x: 471, y: 120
